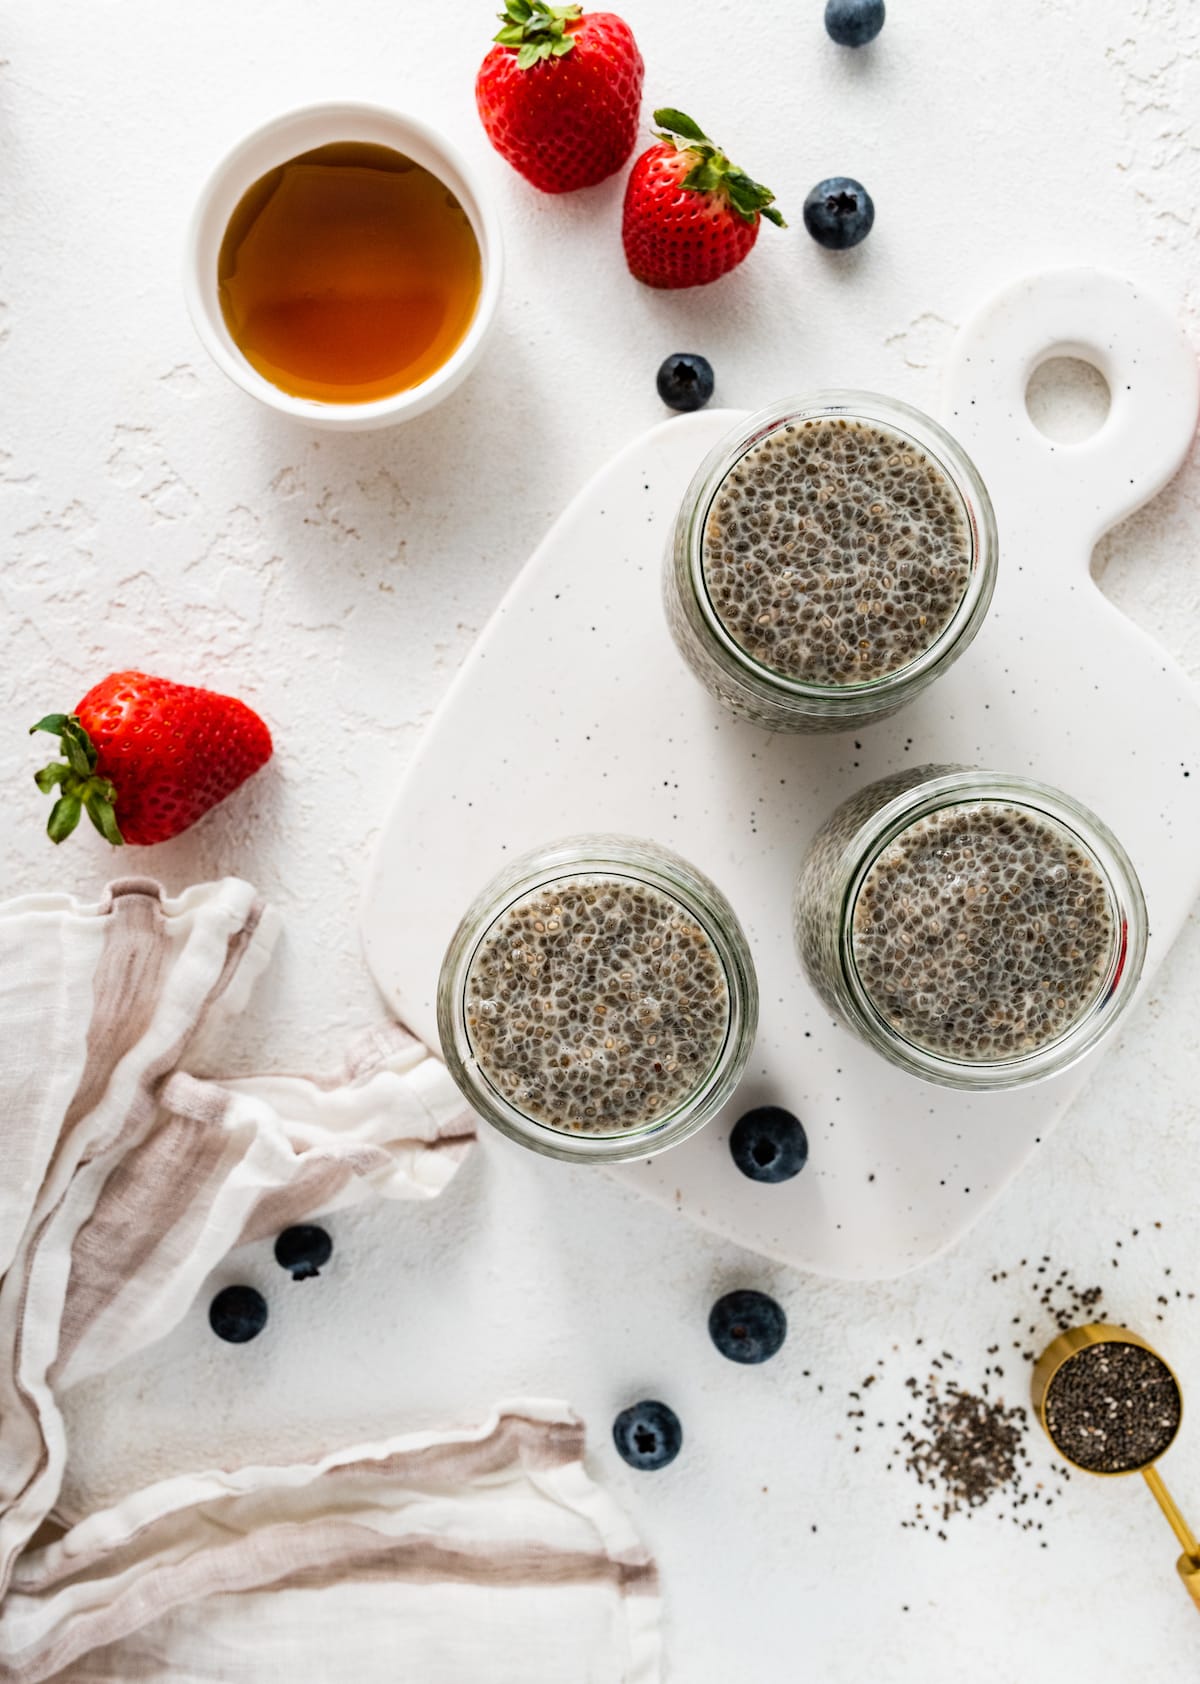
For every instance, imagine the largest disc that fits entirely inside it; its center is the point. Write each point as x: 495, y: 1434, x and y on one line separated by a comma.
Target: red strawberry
x: 145, y: 758
x: 690, y: 215
x: 561, y: 93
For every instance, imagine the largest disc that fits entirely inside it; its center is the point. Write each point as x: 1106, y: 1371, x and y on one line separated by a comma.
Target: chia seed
x: 836, y: 552
x: 1113, y: 1408
x: 962, y: 1443
x: 596, y: 1004
x: 970, y: 1447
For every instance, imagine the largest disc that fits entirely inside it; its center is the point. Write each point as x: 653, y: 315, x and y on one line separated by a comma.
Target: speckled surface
x: 153, y: 515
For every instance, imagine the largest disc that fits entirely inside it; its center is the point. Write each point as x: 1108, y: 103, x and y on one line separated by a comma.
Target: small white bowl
x: 274, y: 144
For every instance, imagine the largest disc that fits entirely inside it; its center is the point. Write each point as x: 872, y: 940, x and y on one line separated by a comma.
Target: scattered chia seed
x: 971, y: 1446
x: 966, y: 1446
x: 1113, y: 1408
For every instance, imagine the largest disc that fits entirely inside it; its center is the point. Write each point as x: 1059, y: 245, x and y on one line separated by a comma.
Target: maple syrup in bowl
x: 343, y: 266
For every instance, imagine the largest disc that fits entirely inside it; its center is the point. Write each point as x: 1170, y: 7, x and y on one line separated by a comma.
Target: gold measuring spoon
x: 1051, y: 1366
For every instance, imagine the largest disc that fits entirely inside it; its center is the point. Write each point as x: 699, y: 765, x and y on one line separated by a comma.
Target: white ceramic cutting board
x: 574, y: 712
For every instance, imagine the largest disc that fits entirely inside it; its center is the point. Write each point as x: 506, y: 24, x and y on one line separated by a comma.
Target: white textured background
x: 155, y: 517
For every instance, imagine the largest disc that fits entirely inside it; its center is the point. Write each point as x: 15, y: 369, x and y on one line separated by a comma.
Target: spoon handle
x: 1188, y: 1565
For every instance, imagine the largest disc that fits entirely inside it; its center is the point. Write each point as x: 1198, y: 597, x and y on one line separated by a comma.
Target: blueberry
x: 747, y: 1326
x: 838, y: 213
x: 303, y: 1251
x: 237, y: 1314
x: 685, y: 381
x: 852, y: 23
x: 769, y: 1144
x: 648, y: 1435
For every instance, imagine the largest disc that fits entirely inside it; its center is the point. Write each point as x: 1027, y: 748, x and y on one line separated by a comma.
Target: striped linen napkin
x: 484, y: 1557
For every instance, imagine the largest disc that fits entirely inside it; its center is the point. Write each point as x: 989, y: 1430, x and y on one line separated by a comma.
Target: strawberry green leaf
x: 81, y: 757
x: 64, y: 816
x: 713, y: 173
x: 81, y: 788
x: 676, y: 123
x: 537, y: 30
x: 51, y: 775
x: 746, y: 198
x: 705, y: 177
x: 55, y: 723
x: 99, y: 809
x: 740, y: 183
x: 76, y: 744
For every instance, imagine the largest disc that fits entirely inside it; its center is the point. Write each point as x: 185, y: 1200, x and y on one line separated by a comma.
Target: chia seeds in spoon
x: 1113, y: 1408
x: 836, y: 552
x: 983, y: 932
x: 596, y: 1004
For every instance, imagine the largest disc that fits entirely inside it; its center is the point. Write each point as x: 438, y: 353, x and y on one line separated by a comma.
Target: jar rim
x: 637, y: 861
x: 951, y: 788
x: 927, y: 435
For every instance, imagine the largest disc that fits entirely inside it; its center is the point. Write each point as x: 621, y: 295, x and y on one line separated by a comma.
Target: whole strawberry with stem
x: 144, y: 758
x: 560, y: 93
x: 690, y: 215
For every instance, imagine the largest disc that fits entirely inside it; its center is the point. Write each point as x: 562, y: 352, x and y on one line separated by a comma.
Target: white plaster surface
x: 154, y: 516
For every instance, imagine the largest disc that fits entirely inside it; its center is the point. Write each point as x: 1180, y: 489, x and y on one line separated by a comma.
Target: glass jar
x: 769, y: 697
x: 598, y: 1000
x: 889, y: 919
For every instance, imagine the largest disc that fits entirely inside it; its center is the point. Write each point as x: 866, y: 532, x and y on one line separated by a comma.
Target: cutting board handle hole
x: 1068, y: 398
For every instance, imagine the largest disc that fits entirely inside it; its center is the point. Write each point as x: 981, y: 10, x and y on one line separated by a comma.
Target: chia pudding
x: 835, y: 552
x: 596, y: 1004
x: 829, y: 561
x: 598, y: 997
x: 983, y: 932
x: 979, y: 931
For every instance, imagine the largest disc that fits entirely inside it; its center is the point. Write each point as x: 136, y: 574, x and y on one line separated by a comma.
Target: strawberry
x: 690, y: 215
x: 560, y: 93
x: 145, y: 758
